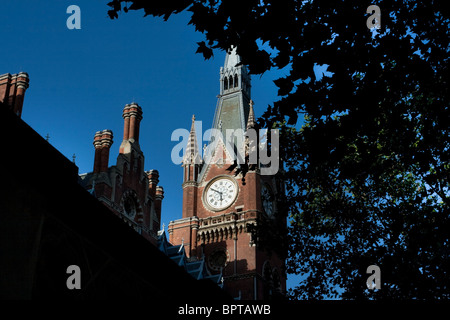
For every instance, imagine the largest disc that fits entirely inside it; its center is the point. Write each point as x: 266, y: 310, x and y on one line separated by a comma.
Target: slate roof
x: 195, y: 267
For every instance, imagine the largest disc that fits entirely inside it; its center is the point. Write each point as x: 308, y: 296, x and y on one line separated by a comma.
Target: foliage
x: 367, y: 174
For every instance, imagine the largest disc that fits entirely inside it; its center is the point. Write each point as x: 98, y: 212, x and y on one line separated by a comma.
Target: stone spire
x: 192, y: 164
x: 192, y: 155
x: 251, y: 117
x: 234, y: 77
x: 232, y: 108
x: 251, y: 138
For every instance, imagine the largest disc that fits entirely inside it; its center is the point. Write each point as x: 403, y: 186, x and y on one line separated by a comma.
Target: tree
x: 367, y: 174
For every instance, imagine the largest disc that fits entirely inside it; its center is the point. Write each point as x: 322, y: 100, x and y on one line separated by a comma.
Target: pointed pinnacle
x: 192, y: 153
x: 251, y: 117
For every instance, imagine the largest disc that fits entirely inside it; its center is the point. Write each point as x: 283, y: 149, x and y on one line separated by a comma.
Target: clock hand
x: 216, y: 190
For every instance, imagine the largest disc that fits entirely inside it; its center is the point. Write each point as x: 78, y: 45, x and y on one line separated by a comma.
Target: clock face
x: 220, y: 194
x: 266, y: 198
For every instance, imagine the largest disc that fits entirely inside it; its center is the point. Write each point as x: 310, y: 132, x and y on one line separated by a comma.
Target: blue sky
x: 80, y: 80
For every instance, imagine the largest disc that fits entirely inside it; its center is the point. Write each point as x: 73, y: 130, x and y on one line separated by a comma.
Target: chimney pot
x: 12, y: 90
x: 102, y: 143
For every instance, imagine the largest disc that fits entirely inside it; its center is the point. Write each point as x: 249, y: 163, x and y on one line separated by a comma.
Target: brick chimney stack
x: 132, y: 115
x: 102, y: 143
x: 12, y: 90
x: 155, y: 191
x: 158, y: 201
x: 153, y: 179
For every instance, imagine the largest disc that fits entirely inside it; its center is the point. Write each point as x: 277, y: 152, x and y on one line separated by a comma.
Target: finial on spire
x: 193, y: 117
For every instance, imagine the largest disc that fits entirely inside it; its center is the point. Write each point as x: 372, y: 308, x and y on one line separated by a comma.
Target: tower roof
x: 232, y: 58
x: 233, y: 106
x: 192, y: 155
x: 232, y: 109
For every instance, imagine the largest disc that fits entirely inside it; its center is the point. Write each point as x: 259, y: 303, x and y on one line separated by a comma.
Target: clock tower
x: 224, y: 206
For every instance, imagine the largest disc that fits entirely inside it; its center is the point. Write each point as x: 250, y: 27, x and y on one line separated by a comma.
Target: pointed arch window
x: 236, y: 80
x: 225, y: 83
x: 230, y: 80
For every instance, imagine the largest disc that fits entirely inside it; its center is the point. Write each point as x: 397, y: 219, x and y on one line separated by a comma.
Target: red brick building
x: 50, y: 222
x: 125, y: 188
x: 133, y: 194
x: 222, y: 208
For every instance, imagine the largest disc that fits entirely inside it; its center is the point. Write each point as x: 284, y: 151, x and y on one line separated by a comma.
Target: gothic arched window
x: 236, y: 80
x: 230, y: 80
x: 225, y: 83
